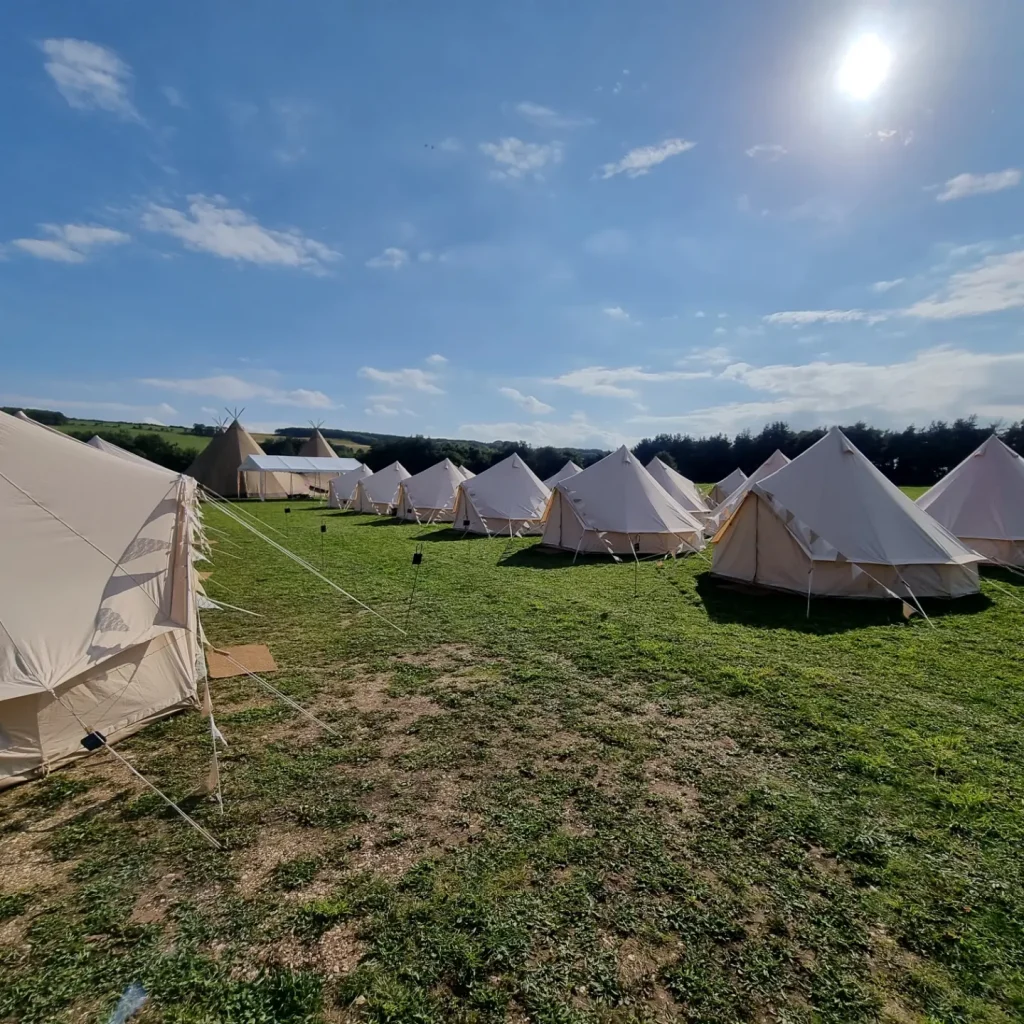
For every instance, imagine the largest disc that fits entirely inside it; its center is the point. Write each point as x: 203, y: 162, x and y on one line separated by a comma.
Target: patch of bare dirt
x: 152, y: 905
x: 444, y: 656
x: 24, y: 864
x: 640, y: 963
x: 275, y: 846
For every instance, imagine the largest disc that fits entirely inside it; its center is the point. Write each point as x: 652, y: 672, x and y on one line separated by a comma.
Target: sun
x: 864, y: 68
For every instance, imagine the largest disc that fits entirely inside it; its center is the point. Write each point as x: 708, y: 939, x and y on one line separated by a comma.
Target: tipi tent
x: 683, y: 490
x: 981, y: 502
x: 616, y: 507
x: 505, y: 499
x: 216, y: 467
x: 568, y: 470
x: 829, y: 523
x: 430, y: 496
x: 726, y: 486
x: 721, y: 512
x: 316, y: 447
x: 100, y: 633
x: 343, y: 487
x: 378, y: 492
x: 99, y: 444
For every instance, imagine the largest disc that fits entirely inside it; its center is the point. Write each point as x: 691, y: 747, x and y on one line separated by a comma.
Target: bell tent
x: 568, y: 470
x: 377, y: 494
x: 343, y: 487
x: 726, y: 486
x: 981, y: 502
x: 616, y: 507
x: 99, y: 444
x: 721, y: 512
x: 505, y: 499
x: 429, y: 497
x: 683, y: 490
x: 830, y: 524
x: 216, y: 467
x: 100, y: 635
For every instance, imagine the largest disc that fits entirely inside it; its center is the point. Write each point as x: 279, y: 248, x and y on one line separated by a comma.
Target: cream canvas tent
x: 429, y: 496
x: 506, y: 499
x: 721, y: 512
x: 98, y: 443
x: 216, y: 467
x: 100, y: 631
x: 831, y: 524
x: 378, y: 492
x: 467, y: 474
x: 343, y: 487
x: 981, y: 502
x: 616, y: 507
x: 726, y: 486
x: 683, y: 490
x: 316, y: 447
x: 568, y: 470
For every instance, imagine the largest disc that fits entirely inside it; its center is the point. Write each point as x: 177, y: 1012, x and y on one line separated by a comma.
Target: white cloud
x: 994, y: 285
x: 211, y: 226
x: 545, y: 117
x: 528, y: 402
x: 379, y: 409
x: 387, y: 399
x: 70, y: 243
x: 767, y: 151
x: 415, y: 380
x: 640, y: 160
x: 800, y: 317
x: 607, y: 382
x: 964, y: 185
x: 450, y: 145
x: 938, y: 382
x: 715, y: 355
x: 90, y: 77
x: 516, y: 159
x: 699, y: 314
x: 719, y: 330
x: 576, y: 431
x: 99, y: 409
x: 436, y: 359
x: 885, y: 286
x: 174, y: 97
x: 235, y: 389
x: 616, y: 313
x: 390, y: 258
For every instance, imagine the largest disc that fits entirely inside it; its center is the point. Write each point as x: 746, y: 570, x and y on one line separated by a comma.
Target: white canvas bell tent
x: 216, y: 467
x: 100, y: 632
x: 99, y: 444
x: 316, y: 447
x: 467, y: 474
x: 981, y: 502
x: 726, y: 486
x: 343, y: 487
x: 377, y: 494
x: 683, y: 490
x: 830, y: 524
x: 616, y: 507
x: 721, y: 512
x: 568, y: 470
x: 429, y: 497
x: 506, y: 499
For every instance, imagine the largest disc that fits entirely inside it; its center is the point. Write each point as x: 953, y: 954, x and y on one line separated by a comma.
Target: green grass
x: 182, y: 438
x: 569, y: 794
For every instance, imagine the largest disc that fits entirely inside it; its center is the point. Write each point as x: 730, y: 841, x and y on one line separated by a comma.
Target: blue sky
x: 573, y: 223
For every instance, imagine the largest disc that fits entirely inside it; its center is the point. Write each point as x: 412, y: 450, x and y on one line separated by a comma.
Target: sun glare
x: 865, y: 67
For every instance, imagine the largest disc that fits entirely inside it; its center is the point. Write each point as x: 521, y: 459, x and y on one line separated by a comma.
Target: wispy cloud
x: 174, y: 97
x: 994, y: 285
x: 210, y: 225
x: 412, y: 378
x: 577, y: 430
x: 390, y: 259
x: 545, y: 117
x: 770, y: 151
x: 801, y: 317
x: 715, y: 355
x: 617, y: 313
x: 964, y: 185
x: 528, y: 402
x: 70, y: 243
x: 885, y: 286
x: 380, y: 409
x: 436, y: 359
x: 516, y: 159
x: 90, y: 77
x: 640, y: 161
x: 161, y: 411
x: 607, y: 382
x: 227, y: 388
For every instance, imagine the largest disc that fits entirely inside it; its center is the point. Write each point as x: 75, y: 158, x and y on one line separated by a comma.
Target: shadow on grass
x: 450, y: 533
x: 1008, y: 577
x: 387, y: 521
x: 539, y: 557
x: 748, y: 605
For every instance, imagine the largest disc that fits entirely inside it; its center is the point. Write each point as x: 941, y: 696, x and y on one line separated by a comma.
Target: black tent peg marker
x: 94, y: 740
x: 287, y: 510
x: 323, y: 527
x: 417, y: 557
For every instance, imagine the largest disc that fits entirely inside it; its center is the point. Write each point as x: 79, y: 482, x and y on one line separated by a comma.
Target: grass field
x: 569, y: 794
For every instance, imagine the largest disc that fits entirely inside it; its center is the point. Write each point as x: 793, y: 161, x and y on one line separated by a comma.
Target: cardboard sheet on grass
x: 255, y: 658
